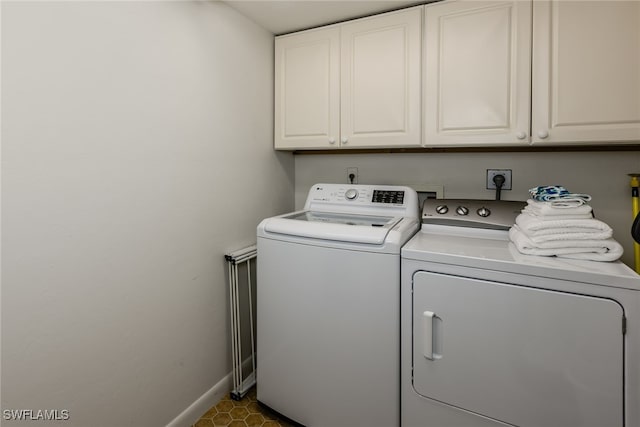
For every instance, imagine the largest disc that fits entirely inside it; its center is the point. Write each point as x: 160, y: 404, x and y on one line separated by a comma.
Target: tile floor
x: 243, y: 413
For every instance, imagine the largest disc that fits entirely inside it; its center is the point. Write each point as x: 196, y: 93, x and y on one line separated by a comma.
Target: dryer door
x: 524, y: 356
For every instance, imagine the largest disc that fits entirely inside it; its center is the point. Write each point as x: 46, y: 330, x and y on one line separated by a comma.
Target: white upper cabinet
x: 578, y: 85
x: 350, y: 85
x: 586, y: 72
x: 307, y: 89
x: 477, y: 73
x: 380, y: 84
x: 496, y: 73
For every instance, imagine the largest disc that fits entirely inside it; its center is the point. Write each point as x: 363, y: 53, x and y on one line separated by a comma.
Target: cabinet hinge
x: 624, y: 325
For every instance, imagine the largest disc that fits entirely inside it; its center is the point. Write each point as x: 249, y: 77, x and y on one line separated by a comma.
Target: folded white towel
x: 558, y: 217
x: 566, y: 202
x: 594, y: 250
x: 534, y: 226
x: 564, y: 234
x: 558, y: 237
x: 550, y: 209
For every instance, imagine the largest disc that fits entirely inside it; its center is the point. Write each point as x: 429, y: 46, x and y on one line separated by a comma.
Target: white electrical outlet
x: 354, y: 172
x: 504, y: 172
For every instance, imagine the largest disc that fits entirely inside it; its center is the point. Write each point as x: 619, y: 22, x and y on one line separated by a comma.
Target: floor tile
x: 246, y: 412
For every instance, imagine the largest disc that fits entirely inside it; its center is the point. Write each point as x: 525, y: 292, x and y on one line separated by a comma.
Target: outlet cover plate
x: 493, y: 172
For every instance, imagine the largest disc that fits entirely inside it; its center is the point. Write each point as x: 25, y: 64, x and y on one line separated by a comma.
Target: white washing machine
x: 491, y: 337
x: 328, y: 306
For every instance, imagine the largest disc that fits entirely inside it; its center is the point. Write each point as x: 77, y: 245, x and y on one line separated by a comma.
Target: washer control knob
x: 442, y: 209
x: 351, y: 194
x: 484, y: 212
x: 462, y: 210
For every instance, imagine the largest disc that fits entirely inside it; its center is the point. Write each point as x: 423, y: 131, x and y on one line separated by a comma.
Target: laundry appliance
x: 491, y: 337
x: 328, y: 305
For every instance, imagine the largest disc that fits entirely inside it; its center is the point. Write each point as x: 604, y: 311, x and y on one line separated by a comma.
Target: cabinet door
x: 586, y: 72
x: 380, y: 84
x: 528, y: 357
x: 307, y: 89
x: 477, y: 73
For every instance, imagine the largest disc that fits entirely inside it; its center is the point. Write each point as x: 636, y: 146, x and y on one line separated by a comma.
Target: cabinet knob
x: 542, y: 134
x: 521, y: 135
x: 344, y: 139
x: 332, y: 140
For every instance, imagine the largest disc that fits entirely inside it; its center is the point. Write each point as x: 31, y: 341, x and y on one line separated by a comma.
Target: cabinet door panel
x: 307, y: 103
x: 586, y: 75
x: 477, y: 73
x: 380, y: 84
x: 368, y: 113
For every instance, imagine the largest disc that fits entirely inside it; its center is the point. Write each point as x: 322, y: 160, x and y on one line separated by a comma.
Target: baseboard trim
x: 210, y: 398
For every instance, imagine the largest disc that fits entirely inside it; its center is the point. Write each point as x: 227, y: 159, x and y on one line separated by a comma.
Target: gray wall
x: 463, y: 175
x: 136, y: 150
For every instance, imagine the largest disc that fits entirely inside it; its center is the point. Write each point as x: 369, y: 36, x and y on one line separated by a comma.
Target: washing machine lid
x: 363, y: 229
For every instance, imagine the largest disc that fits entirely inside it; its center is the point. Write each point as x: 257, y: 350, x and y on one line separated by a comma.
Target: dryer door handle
x: 432, y: 335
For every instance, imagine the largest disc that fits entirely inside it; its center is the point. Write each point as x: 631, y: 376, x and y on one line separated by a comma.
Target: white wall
x: 136, y: 150
x: 463, y: 175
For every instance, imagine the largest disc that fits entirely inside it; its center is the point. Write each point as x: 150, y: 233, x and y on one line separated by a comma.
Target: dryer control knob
x: 462, y: 210
x: 442, y: 209
x: 484, y: 212
x: 351, y: 194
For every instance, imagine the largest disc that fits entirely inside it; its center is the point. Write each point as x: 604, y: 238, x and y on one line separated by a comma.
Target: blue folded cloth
x: 551, y: 193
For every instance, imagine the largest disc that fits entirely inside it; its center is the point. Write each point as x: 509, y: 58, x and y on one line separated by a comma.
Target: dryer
x: 491, y: 337
x: 328, y: 306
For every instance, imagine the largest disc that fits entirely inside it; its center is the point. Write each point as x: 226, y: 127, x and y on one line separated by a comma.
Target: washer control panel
x: 362, y: 194
x: 490, y: 214
x: 363, y: 199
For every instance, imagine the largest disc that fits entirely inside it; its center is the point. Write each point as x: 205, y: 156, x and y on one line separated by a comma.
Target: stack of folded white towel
x: 558, y: 223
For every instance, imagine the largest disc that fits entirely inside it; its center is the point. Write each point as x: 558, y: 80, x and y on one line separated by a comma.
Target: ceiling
x: 285, y: 16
